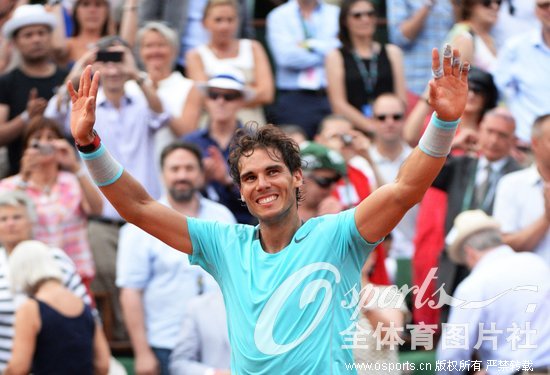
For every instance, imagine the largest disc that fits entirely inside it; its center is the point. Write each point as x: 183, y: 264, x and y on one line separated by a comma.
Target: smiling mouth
x: 267, y: 200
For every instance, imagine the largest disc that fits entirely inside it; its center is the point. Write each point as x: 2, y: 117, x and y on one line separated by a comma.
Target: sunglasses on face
x: 227, y: 96
x: 488, y: 3
x: 324, y: 182
x: 366, y: 13
x: 395, y: 116
x: 544, y: 5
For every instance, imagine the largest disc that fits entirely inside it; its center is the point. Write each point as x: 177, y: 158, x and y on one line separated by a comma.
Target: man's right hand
x: 83, y: 106
x: 35, y: 105
x: 146, y: 364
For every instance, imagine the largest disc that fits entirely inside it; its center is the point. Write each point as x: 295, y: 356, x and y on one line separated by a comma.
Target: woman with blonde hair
x: 55, y: 332
x: 224, y: 48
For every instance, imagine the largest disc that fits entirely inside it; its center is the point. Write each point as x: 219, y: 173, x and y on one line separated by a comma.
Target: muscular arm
x: 126, y: 194
x: 378, y: 214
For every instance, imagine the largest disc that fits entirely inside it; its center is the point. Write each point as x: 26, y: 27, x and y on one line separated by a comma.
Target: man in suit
x: 470, y: 183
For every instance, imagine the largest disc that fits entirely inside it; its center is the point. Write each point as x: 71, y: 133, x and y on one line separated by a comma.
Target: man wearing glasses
x: 522, y: 73
x: 225, y: 94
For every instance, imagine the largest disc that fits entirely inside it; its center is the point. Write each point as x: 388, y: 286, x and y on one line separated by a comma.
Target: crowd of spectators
x: 178, y: 78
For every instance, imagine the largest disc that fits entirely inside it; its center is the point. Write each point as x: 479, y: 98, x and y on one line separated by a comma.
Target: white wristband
x: 103, y: 168
x: 438, y: 137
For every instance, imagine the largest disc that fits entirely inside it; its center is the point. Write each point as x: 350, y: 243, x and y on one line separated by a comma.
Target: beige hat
x: 27, y: 15
x: 466, y: 224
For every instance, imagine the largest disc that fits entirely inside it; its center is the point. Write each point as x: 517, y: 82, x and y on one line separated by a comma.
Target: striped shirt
x: 8, y: 301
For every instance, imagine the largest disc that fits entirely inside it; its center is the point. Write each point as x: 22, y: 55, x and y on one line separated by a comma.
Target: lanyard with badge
x: 369, y: 78
x: 308, y: 78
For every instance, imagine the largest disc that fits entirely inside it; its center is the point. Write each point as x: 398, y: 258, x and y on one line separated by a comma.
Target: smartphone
x: 109, y: 56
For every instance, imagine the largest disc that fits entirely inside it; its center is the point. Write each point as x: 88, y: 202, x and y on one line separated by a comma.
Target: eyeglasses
x: 488, y: 3
x: 228, y: 96
x: 325, y: 182
x: 366, y: 13
x: 395, y: 116
x: 544, y: 6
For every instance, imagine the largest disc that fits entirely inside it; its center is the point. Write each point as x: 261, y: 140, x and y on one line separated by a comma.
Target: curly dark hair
x: 270, y: 138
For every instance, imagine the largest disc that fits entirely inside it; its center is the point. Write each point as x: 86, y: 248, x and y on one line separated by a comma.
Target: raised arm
x: 121, y: 189
x: 378, y: 214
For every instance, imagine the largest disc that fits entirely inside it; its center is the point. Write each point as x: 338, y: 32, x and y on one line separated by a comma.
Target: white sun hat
x: 227, y: 78
x: 27, y: 15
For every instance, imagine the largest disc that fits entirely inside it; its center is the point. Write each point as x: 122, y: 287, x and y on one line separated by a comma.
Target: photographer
x: 64, y: 196
x: 127, y: 122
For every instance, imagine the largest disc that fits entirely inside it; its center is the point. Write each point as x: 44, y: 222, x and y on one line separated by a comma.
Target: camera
x: 44, y: 149
x: 346, y: 139
x: 109, y: 56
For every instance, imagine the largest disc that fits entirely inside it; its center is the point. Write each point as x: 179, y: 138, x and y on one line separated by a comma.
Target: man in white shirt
x: 501, y: 309
x: 522, y: 202
x: 154, y: 280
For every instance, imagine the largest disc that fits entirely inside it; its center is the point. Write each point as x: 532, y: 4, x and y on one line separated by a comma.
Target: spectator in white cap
x: 506, y: 294
x: 225, y: 94
x: 25, y: 91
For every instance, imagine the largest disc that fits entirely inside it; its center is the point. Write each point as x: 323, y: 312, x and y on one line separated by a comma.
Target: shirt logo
x: 298, y: 240
x: 263, y: 332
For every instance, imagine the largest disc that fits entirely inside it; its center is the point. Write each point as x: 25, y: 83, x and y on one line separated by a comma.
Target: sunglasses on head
x: 227, y: 96
x: 394, y: 116
x: 325, y: 182
x: 544, y: 5
x: 488, y: 3
x: 366, y: 13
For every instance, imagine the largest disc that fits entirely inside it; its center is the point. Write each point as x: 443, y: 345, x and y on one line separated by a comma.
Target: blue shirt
x: 522, y: 73
x: 128, y: 133
x: 417, y: 53
x: 286, y: 30
x: 284, y: 310
x: 229, y: 196
x: 164, y: 275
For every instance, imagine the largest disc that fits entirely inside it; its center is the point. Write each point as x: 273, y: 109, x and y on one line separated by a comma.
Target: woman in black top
x: 362, y: 69
x: 55, y: 331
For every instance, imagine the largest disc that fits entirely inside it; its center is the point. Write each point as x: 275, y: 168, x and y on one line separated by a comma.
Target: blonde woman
x: 55, y: 332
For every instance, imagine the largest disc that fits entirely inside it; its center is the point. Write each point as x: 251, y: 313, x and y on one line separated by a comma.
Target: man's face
x: 318, y: 185
x: 222, y: 105
x: 112, y: 75
x: 541, y: 145
x: 389, y: 118
x: 267, y: 185
x: 15, y: 225
x: 182, y: 175
x: 34, y: 42
x: 496, y: 137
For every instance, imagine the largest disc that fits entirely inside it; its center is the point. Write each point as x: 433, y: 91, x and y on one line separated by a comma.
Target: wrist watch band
x: 89, y: 148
